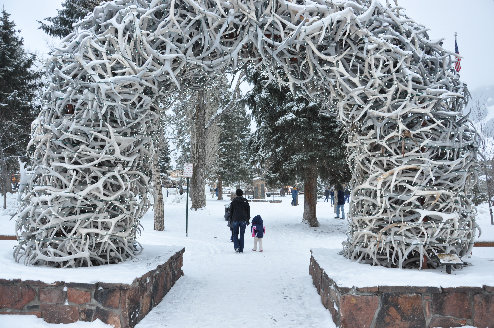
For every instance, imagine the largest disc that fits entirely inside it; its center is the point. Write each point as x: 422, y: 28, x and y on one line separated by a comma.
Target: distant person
x: 15, y: 183
x: 326, y: 194
x: 331, y: 193
x: 340, y: 202
x: 347, y: 195
x: 229, y: 223
x: 294, y: 196
x: 258, y: 230
x: 239, y: 219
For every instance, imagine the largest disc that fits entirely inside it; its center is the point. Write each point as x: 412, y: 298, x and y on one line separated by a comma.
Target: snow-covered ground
x: 221, y: 288
x: 30, y: 321
x: 149, y: 259
x: 484, y: 222
x: 7, y: 224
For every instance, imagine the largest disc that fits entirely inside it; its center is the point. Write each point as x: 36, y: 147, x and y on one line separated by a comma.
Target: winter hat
x: 239, y: 192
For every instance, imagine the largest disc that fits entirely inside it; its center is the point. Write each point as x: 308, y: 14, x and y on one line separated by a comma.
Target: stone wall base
x: 120, y: 305
x: 398, y: 306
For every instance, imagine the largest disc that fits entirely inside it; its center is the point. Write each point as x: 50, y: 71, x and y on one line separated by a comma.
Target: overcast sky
x: 25, y: 14
x: 472, y: 19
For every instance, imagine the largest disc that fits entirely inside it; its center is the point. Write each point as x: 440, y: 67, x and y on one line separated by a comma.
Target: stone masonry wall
x: 388, y: 306
x: 121, y: 305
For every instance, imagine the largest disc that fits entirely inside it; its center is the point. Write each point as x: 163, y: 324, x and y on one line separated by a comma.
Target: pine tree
x: 18, y: 86
x: 72, y: 12
x: 160, y: 162
x: 233, y: 167
x: 294, y: 141
x: 180, y: 118
x: 197, y: 122
x: 164, y: 158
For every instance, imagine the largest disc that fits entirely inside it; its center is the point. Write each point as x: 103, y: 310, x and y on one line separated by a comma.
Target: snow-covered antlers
x: 411, y: 151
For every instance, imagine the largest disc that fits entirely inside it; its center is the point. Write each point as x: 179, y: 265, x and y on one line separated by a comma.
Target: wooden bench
x: 449, y: 260
x: 483, y: 244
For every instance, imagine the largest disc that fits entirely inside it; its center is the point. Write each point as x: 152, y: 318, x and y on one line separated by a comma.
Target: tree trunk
x: 310, y: 196
x: 3, y: 182
x: 220, y: 189
x: 159, y: 210
x: 198, y: 150
x: 489, y: 183
x: 4, y: 190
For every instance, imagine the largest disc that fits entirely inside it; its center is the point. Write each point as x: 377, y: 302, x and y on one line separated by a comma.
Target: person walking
x: 294, y: 196
x: 347, y: 195
x: 331, y: 193
x: 258, y: 230
x: 239, y: 219
x: 340, y: 202
x: 326, y: 194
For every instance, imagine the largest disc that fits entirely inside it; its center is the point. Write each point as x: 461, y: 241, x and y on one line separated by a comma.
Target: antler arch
x: 412, y: 154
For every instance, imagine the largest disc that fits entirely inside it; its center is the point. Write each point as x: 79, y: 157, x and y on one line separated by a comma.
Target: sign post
x: 188, y: 171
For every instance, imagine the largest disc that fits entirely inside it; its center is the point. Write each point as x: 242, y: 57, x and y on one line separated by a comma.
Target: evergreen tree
x: 164, y: 159
x: 18, y: 88
x: 233, y: 167
x: 159, y: 136
x: 294, y: 141
x: 197, y: 125
x: 159, y: 164
x: 179, y: 118
x: 72, y: 12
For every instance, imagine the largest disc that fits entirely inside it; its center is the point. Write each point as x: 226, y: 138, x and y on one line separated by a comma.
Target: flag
x: 458, y: 59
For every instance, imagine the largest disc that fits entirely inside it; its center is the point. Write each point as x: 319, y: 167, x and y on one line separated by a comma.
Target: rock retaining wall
x: 388, y: 306
x: 121, y: 305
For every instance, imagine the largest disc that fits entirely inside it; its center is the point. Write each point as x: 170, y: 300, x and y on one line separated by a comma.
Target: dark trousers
x: 238, y: 242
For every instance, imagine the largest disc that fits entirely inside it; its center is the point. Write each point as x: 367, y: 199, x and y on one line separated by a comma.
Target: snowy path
x: 221, y: 288
x: 224, y: 289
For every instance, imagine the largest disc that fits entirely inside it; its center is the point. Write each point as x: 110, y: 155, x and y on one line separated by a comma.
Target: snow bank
x: 7, y: 222
x: 32, y: 321
x: 347, y: 273
x: 124, y: 273
x: 484, y: 222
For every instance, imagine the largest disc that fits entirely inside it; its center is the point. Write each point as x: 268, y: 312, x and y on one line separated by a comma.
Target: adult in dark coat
x: 340, y: 202
x: 239, y: 218
x: 326, y: 194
